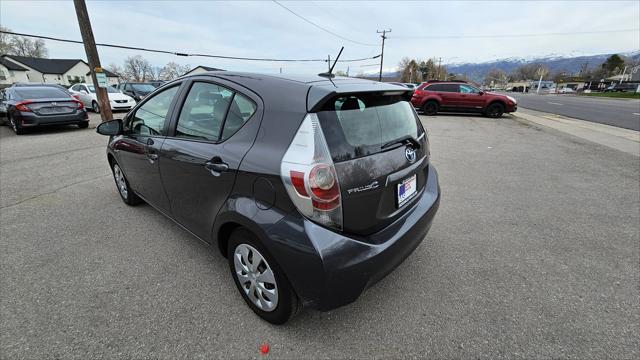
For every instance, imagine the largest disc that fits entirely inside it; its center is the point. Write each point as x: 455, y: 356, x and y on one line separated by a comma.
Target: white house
x: 201, y: 69
x: 11, y: 72
x: 65, y: 72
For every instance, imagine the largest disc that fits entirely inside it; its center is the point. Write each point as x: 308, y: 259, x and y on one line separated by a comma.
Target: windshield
x: 110, y: 90
x: 143, y: 87
x: 358, y: 125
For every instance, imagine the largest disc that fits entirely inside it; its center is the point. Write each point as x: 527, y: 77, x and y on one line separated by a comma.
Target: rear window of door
x: 203, y: 112
x: 443, y: 87
x: 150, y: 117
x: 358, y: 125
x: 212, y: 112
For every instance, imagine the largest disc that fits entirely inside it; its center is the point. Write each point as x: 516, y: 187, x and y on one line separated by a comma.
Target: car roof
x: 311, y: 88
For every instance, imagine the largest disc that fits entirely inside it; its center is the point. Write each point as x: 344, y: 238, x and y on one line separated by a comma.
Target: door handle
x: 150, y: 152
x: 215, y: 168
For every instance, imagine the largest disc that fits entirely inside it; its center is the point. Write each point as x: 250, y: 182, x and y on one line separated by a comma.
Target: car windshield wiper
x: 406, y: 140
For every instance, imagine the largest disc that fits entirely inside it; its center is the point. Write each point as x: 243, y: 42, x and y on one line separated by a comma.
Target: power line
x: 512, y: 35
x: 182, y: 53
x: 322, y: 28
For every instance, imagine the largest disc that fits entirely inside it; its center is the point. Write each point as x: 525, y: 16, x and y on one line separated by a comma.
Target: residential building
x: 201, y: 69
x: 65, y: 72
x: 10, y: 72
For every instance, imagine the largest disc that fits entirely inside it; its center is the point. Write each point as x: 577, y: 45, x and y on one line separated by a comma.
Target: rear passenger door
x: 214, y: 128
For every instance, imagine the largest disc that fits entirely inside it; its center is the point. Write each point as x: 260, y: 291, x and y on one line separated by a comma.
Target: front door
x: 200, y: 158
x: 470, y: 97
x: 138, y: 150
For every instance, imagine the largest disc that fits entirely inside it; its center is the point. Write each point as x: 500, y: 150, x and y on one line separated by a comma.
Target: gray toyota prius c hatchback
x: 313, y: 188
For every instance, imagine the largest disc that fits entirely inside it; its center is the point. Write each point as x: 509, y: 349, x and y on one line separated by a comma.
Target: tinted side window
x: 203, y: 112
x: 149, y: 118
x: 449, y: 87
x: 434, y: 87
x: 240, y: 111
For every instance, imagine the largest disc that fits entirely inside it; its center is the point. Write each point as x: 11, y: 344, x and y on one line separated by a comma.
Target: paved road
x: 615, y: 112
x: 533, y: 254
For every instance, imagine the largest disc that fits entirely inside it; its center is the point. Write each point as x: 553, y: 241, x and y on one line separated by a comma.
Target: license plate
x: 406, y: 190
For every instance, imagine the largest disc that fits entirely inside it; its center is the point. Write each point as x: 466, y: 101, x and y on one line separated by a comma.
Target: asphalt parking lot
x: 534, y: 254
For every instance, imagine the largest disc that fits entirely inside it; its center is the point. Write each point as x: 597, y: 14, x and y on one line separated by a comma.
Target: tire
x: 123, y: 187
x: 83, y: 125
x: 430, y: 108
x: 16, y: 128
x: 95, y: 107
x: 495, y: 110
x: 286, y: 302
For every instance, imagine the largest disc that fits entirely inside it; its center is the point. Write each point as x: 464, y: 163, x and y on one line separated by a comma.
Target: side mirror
x: 110, y: 128
x: 481, y: 92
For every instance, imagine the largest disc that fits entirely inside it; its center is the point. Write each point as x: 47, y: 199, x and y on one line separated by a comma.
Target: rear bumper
x: 29, y: 119
x: 328, y: 269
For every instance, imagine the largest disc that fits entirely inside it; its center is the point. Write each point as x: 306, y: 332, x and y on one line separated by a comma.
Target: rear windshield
x: 358, y: 125
x: 40, y: 93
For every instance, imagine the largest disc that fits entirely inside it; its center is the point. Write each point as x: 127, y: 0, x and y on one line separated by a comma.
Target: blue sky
x: 264, y: 29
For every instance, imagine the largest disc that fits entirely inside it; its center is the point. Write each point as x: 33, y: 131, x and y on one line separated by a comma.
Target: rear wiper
x: 406, y: 140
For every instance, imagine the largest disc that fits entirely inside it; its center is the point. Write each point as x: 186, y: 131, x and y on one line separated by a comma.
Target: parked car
x: 30, y: 106
x: 136, y: 90
x: 313, y: 188
x: 410, y: 85
x: 565, y: 90
x: 157, y: 83
x: 621, y: 87
x: 442, y: 96
x: 87, y: 94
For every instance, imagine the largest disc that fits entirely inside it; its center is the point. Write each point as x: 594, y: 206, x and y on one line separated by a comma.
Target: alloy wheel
x: 255, y: 277
x: 120, y: 181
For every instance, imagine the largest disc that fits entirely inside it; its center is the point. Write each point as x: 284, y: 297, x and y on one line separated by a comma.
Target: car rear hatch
x: 380, y: 151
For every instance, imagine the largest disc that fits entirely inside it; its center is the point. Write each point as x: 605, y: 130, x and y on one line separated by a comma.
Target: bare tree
x: 114, y: 68
x: 496, y: 77
x: 22, y: 46
x: 173, y: 70
x: 137, y: 68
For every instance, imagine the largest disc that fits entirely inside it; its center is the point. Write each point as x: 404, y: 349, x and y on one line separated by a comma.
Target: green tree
x: 613, y: 64
x: 428, y: 69
x: 409, y: 71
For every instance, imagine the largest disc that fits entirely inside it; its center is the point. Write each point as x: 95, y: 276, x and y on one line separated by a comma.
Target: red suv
x: 434, y: 96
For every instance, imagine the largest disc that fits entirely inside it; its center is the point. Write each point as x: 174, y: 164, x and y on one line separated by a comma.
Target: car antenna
x: 330, y: 73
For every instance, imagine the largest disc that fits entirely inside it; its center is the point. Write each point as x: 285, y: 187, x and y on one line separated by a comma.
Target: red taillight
x: 22, y: 105
x: 297, y: 180
x: 322, y: 181
x: 76, y: 96
x: 79, y: 104
x: 417, y: 93
x: 309, y: 175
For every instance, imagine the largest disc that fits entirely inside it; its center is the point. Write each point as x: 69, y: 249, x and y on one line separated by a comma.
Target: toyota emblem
x: 410, y: 154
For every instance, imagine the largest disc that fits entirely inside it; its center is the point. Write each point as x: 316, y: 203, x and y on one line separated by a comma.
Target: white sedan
x: 87, y: 94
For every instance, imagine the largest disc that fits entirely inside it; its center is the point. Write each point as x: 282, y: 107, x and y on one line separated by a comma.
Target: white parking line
x: 554, y: 103
x: 636, y: 114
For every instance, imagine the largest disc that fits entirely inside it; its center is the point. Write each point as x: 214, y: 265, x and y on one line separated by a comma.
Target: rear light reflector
x: 22, y: 105
x: 309, y: 175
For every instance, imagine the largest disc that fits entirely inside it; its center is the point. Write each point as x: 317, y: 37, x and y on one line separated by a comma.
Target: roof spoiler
x: 318, y: 95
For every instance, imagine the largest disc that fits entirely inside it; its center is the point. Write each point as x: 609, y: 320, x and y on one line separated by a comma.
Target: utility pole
x: 439, y: 62
x: 623, y: 72
x: 92, y: 57
x: 383, y: 36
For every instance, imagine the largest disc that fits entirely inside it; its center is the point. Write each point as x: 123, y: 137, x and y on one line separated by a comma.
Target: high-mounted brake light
x: 22, y: 105
x: 309, y: 175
